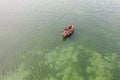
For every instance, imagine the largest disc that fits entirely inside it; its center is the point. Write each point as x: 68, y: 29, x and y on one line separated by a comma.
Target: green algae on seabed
x: 18, y: 74
x: 68, y: 62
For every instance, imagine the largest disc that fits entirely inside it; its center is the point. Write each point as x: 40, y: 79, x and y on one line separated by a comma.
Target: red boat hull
x: 68, y: 31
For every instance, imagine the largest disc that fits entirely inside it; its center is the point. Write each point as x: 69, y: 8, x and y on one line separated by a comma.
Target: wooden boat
x: 68, y: 31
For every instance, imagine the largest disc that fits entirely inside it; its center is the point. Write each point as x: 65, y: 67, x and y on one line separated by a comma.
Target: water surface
x: 32, y: 48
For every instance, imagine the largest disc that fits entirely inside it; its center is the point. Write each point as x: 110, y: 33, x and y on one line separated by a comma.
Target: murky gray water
x: 31, y: 46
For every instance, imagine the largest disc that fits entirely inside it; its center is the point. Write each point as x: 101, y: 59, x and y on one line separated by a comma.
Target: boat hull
x: 68, y: 31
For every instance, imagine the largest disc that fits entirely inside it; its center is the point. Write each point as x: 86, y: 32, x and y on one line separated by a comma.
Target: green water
x: 32, y: 48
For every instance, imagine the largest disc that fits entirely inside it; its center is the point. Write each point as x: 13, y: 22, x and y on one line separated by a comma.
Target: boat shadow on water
x: 64, y: 39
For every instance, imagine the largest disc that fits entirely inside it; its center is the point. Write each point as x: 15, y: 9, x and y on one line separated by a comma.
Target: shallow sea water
x: 32, y: 48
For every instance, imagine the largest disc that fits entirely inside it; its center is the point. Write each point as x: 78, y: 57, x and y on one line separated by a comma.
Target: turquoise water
x: 32, y: 48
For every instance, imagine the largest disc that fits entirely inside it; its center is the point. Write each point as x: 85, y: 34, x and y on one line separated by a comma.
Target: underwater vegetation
x: 66, y: 62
